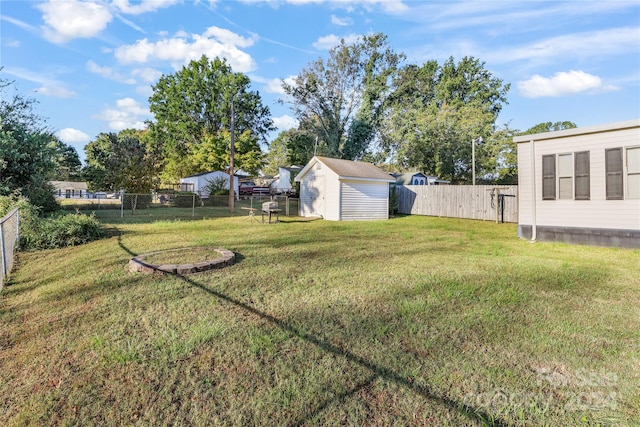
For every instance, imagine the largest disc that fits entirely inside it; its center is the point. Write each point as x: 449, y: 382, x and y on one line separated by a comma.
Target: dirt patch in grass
x: 182, y: 256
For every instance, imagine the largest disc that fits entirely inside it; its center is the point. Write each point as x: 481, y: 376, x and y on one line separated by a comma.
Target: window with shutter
x: 549, y: 177
x: 613, y: 171
x: 565, y: 176
x: 633, y: 173
x: 583, y: 188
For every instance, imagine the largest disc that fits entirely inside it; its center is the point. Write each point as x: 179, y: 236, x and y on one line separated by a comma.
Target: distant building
x: 70, y: 189
x: 417, y: 178
x: 199, y: 183
x: 283, y: 181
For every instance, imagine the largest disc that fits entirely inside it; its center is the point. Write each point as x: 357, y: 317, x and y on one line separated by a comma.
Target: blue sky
x: 91, y: 64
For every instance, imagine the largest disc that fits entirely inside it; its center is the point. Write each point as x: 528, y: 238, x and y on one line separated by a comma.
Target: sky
x: 91, y: 64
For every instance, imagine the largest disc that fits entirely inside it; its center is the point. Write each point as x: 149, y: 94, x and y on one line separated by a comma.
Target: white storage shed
x: 198, y: 183
x: 581, y: 185
x: 342, y: 190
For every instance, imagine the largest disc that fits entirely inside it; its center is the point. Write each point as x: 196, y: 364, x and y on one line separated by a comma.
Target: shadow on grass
x: 475, y: 414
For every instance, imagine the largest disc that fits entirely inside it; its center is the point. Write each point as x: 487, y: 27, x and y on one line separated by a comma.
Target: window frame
x: 627, y: 173
x: 563, y: 175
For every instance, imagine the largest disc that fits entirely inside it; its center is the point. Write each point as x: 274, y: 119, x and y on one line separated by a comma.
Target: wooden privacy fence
x: 459, y: 201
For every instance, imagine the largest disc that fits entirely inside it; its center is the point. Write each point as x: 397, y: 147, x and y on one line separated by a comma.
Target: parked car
x: 246, y: 188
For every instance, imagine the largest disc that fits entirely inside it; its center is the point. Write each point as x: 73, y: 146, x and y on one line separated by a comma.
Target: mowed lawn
x: 410, y: 321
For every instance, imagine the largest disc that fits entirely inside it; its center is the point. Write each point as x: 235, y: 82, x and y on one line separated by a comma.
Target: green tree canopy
x: 435, y: 113
x: 119, y: 161
x: 26, y: 144
x: 340, y: 101
x: 68, y: 166
x: 192, y: 109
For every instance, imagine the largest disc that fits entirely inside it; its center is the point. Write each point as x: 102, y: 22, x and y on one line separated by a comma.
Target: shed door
x: 364, y: 200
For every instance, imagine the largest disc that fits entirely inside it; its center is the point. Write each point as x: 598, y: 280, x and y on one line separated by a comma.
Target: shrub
x: 60, y: 231
x: 184, y: 199
x: 137, y: 201
x: 56, y: 231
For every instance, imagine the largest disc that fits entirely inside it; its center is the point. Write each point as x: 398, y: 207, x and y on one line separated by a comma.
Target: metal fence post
x: 4, y: 252
x: 121, y: 203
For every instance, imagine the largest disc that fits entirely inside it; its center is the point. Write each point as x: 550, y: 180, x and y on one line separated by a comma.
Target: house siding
x: 597, y: 213
x: 363, y: 200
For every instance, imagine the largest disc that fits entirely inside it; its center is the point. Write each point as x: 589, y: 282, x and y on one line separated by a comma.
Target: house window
x: 549, y: 177
x: 633, y: 173
x: 583, y: 188
x: 565, y: 176
x: 613, y: 171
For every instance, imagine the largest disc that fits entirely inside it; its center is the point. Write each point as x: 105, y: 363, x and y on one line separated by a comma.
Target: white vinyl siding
x: 364, y: 200
x: 633, y: 173
x: 600, y: 211
x: 565, y: 176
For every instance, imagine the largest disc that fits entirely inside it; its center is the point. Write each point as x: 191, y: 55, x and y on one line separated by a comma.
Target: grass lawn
x: 410, y: 321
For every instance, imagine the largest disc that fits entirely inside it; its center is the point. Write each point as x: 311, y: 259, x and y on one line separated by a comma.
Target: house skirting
x: 583, y: 236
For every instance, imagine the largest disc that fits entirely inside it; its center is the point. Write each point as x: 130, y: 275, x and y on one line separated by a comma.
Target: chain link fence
x: 178, y: 205
x: 9, y: 238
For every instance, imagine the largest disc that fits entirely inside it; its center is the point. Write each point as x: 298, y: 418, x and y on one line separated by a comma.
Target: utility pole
x: 232, y: 150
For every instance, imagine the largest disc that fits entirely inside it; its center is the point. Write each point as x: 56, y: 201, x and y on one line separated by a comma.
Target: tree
x: 192, y: 109
x: 549, y: 127
x: 340, y: 101
x: 68, y: 166
x: 435, y: 113
x: 119, y: 161
x: 27, y: 150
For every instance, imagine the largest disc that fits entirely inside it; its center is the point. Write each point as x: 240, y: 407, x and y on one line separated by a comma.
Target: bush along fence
x: 483, y: 202
x: 9, y: 238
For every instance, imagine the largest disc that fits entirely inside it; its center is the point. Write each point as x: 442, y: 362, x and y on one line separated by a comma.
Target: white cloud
x: 70, y: 19
x: 285, y: 122
x: 142, y: 7
x: 50, y: 86
x: 127, y: 114
x: 56, y: 91
x: 71, y: 135
x: 12, y: 43
x: 275, y: 85
x: 343, y: 22
x: 214, y: 42
x: 147, y: 75
x: 330, y: 41
x: 109, y: 73
x: 581, y: 45
x: 560, y: 84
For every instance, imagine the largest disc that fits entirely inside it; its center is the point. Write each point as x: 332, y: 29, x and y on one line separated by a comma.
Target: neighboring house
x: 70, y: 189
x: 417, y: 178
x: 343, y: 190
x: 198, y: 183
x: 581, y: 185
x: 282, y: 183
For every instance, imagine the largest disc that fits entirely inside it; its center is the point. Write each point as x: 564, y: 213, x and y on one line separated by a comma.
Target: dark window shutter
x: 549, y: 177
x: 583, y: 190
x: 613, y: 169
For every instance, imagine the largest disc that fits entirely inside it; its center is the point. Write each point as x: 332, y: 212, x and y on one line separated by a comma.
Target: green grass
x: 411, y: 321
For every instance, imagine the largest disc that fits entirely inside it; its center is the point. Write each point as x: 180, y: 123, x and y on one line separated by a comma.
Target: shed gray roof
x: 351, y: 169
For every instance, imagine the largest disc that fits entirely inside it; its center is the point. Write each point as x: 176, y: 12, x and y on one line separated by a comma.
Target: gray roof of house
x: 68, y: 185
x: 351, y: 169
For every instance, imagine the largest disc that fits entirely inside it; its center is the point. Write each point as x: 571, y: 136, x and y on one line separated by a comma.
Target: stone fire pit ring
x: 138, y: 264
